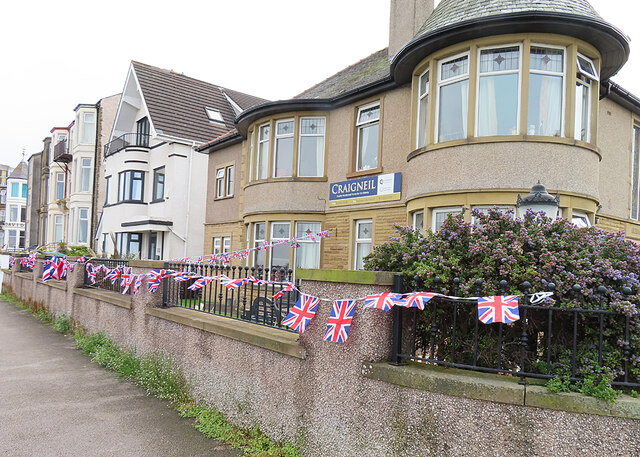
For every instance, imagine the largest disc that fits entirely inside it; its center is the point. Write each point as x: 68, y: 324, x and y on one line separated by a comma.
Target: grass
x: 162, y: 378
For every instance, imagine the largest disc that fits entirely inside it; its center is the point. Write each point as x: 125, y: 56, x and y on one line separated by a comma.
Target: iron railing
x: 22, y: 267
x: 547, y: 341
x: 101, y: 281
x: 61, y: 152
x: 125, y: 141
x: 250, y: 302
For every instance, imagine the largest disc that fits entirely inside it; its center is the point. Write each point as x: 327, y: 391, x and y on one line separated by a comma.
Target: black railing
x: 586, y: 337
x: 250, y: 302
x: 125, y: 141
x: 61, y: 152
x: 22, y: 267
x: 102, y: 282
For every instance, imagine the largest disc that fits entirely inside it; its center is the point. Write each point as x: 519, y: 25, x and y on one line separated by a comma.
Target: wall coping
x: 151, y: 264
x: 7, y: 271
x: 257, y: 335
x: 496, y: 388
x: 108, y: 296
x: 382, y: 278
x: 24, y: 275
x: 62, y: 285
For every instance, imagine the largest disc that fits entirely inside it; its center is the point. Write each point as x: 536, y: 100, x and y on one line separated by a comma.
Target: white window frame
x: 359, y: 241
x: 563, y: 108
x: 414, y: 216
x: 252, y: 159
x: 420, y: 98
x: 84, y: 127
x: 361, y: 125
x: 587, y: 84
x: 305, y: 241
x: 275, y: 238
x: 229, y: 178
x: 58, y: 221
x: 258, y: 242
x: 58, y: 181
x: 85, y: 169
x: 261, y: 151
x: 582, y: 216
x: 214, y: 116
x: 17, y: 209
x: 497, y: 73
x: 220, y: 183
x: 83, y: 220
x: 277, y: 137
x: 441, y: 84
x: 635, y: 177
x: 324, y: 144
x: 447, y: 210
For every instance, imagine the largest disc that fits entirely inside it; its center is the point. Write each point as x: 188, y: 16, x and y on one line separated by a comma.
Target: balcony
x: 61, y: 152
x: 128, y: 140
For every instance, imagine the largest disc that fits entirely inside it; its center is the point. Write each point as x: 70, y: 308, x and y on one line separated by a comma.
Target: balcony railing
x: 61, y: 152
x: 125, y: 141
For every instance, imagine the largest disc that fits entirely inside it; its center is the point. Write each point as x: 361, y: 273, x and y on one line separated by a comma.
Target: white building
x: 58, y: 185
x: 156, y: 181
x: 14, y: 226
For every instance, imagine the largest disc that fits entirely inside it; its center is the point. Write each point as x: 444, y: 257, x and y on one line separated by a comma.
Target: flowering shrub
x: 534, y: 249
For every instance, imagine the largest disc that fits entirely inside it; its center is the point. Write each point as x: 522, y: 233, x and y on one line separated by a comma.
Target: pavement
x: 55, y: 402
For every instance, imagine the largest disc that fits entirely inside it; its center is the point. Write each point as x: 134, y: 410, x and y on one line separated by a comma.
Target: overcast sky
x: 55, y: 55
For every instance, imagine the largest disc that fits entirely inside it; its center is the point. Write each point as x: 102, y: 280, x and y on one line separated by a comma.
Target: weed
x: 634, y: 394
x: 62, y: 324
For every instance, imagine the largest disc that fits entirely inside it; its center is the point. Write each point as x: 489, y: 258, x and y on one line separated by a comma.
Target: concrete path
x: 55, y: 402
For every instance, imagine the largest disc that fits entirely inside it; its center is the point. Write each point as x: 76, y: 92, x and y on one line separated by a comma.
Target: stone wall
x: 340, y: 400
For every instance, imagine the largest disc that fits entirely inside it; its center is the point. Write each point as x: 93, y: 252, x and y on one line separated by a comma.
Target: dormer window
x: 214, y: 116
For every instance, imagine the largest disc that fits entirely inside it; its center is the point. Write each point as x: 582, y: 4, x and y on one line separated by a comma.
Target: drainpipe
x: 94, y: 194
x: 186, y: 231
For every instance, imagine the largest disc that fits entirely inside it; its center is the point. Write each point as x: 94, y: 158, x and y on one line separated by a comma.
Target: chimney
x: 407, y: 16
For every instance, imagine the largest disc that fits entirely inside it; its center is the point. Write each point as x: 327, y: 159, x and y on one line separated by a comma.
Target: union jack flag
x: 340, y: 321
x: 288, y: 288
x: 498, y: 309
x: 155, y: 276
x: 12, y: 260
x: 113, y: 274
x: 82, y: 259
x: 184, y: 276
x: 418, y: 299
x: 235, y: 283
x: 137, y: 283
x: 48, y: 269
x: 260, y: 282
x: 91, y: 272
x: 56, y: 269
x: 384, y: 301
x: 301, y: 314
x: 201, y: 282
x: 68, y: 266
x: 127, y: 279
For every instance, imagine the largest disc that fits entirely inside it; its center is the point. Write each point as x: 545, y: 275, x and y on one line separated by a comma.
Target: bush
x: 538, y: 250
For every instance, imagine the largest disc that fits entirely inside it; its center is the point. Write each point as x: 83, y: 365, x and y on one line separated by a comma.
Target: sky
x: 55, y: 55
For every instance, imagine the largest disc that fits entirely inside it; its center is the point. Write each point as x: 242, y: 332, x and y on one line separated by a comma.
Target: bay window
x: 585, y: 77
x: 417, y: 220
x: 283, y: 149
x: 311, y: 156
x: 129, y: 243
x: 258, y: 242
x: 546, y: 91
x: 439, y: 215
x: 130, y: 185
x: 280, y: 231
x: 83, y: 225
x: 453, y: 98
x: 362, y: 242
x: 423, y: 109
x: 308, y: 251
x: 57, y: 228
x: 85, y: 174
x: 59, y: 186
x: 498, y: 91
x: 262, y: 164
x: 368, y: 124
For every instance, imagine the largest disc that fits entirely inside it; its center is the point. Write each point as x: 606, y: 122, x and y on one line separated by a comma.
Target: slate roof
x: 453, y: 12
x: 176, y: 103
x: 20, y: 172
x: 369, y: 70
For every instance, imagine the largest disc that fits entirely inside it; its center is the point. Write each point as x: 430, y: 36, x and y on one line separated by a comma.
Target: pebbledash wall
x: 342, y: 399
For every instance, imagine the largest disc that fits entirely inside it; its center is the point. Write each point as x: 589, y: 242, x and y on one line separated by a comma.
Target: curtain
x: 487, y: 113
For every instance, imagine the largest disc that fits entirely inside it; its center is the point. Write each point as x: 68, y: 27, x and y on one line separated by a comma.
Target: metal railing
x: 250, y: 302
x: 125, y: 141
x: 102, y: 282
x: 61, y: 152
x: 22, y: 267
x: 546, y: 342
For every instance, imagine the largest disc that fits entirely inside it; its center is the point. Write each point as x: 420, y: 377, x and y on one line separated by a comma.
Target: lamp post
x: 539, y: 200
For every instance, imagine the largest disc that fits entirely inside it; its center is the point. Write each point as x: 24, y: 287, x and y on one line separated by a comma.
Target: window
x: 3, y: 196
x: 258, y: 241
x: 498, y: 91
x: 57, y: 228
x: 252, y: 159
x: 59, y: 186
x: 89, y: 128
x: 280, y: 252
x: 22, y: 239
x: 129, y: 243
x: 439, y: 215
x: 130, y: 186
x: 262, y: 164
x: 72, y: 220
x: 546, y: 82
x: 15, y: 189
x: 500, y: 208
x: 106, y: 194
x: 368, y: 124
x: 580, y: 219
x: 308, y: 252
x: 418, y: 220
x: 83, y: 225
x: 283, y: 154
x: 25, y: 191
x: 142, y: 132
x: 85, y: 174
x: 423, y: 109
x: 14, y: 213
x: 224, y: 182
x: 13, y: 238
x: 585, y: 76
x: 363, y: 242
x: 158, y: 184
x: 635, y: 173
x: 311, y: 156
x: 214, y: 116
x: 23, y: 214
x: 453, y: 96
x: 221, y: 245
x: 2, y: 217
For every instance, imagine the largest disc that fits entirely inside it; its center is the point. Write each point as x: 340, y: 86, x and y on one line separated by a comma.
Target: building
x: 34, y: 182
x: 14, y: 225
x: 470, y: 105
x: 40, y: 236
x: 5, y: 170
x: 58, y: 186
x: 154, y: 181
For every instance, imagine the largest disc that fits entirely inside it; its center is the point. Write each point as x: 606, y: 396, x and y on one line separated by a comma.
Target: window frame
x: 359, y: 126
x: 82, y: 220
x: 358, y: 241
x: 124, y: 191
x: 440, y: 84
x: 322, y: 152
x: 229, y: 180
x: 277, y: 137
x: 478, y: 75
x: 586, y: 80
x: 306, y: 241
x: 58, y: 182
x: 500, y: 208
x: 57, y: 225
x: 85, y: 171
x: 634, y: 213
x: 273, y: 238
x: 414, y: 216
x: 260, y: 150
x: 582, y: 216
x: 92, y: 138
x: 418, y: 110
x: 443, y: 209
x: 157, y: 173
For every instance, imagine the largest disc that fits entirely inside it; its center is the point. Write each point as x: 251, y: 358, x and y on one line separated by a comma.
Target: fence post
x: 396, y: 340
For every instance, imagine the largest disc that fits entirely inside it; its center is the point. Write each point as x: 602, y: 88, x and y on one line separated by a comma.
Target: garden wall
x: 342, y: 399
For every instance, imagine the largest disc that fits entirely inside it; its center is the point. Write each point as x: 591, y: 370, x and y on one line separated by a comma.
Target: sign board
x: 372, y: 189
